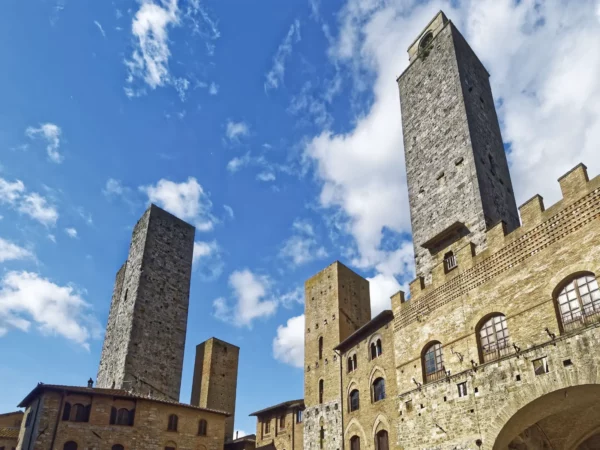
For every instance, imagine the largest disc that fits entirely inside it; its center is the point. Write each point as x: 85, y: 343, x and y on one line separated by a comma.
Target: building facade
x: 145, y: 336
x: 10, y: 423
x: 78, y: 418
x: 214, y: 384
x: 280, y: 427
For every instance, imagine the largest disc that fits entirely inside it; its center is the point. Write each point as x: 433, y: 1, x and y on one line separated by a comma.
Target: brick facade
x: 281, y: 427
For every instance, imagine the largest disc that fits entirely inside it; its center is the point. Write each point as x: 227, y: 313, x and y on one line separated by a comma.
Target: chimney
x: 90, y: 383
x: 236, y: 434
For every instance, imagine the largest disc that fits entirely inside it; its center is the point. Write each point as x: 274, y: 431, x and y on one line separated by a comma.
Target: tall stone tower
x: 145, y: 336
x: 458, y: 179
x: 337, y: 303
x: 215, y: 379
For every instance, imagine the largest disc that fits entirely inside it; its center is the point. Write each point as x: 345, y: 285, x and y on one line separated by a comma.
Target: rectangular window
x: 299, y: 416
x: 409, y: 406
x: 540, y: 365
x: 462, y: 389
x: 282, y: 421
x: 267, y: 427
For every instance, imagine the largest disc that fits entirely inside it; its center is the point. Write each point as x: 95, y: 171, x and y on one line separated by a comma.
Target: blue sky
x: 274, y: 129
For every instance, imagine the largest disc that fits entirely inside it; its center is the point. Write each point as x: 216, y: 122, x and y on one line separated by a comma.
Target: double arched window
x: 202, y: 427
x: 172, y: 425
x: 354, y: 400
x: 122, y: 416
x: 376, y: 349
x: 494, y: 340
x: 578, y: 302
x: 354, y: 443
x: 433, y: 362
x: 76, y: 412
x: 378, y: 389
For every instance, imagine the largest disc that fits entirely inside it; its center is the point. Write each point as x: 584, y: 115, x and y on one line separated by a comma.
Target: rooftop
x: 9, y: 433
x: 375, y: 323
x: 106, y: 392
x: 283, y: 405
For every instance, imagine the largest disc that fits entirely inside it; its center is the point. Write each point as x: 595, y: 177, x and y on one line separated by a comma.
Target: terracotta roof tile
x: 108, y: 392
x: 9, y: 433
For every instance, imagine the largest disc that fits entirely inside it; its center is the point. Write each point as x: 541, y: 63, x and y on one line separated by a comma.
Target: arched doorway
x: 565, y: 419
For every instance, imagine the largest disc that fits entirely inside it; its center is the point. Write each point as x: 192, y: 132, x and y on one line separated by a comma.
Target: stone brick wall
x: 371, y: 417
x: 214, y: 384
x: 148, y: 432
x: 448, y: 131
x: 145, y: 335
x: 518, y: 276
x: 288, y: 437
x: 337, y: 303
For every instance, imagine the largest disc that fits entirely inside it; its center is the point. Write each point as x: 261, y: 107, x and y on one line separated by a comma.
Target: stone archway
x: 564, y: 419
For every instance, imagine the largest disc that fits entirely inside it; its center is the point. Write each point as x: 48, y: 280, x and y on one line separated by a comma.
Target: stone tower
x: 215, y: 379
x: 337, y: 303
x: 145, y: 336
x: 458, y: 179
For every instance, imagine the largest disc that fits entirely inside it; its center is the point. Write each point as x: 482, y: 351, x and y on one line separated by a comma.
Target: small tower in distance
x: 457, y: 172
x: 145, y: 336
x: 337, y: 303
x: 214, y: 384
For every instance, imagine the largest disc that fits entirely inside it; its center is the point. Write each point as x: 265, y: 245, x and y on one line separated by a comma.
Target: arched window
x: 354, y: 443
x: 378, y: 389
x: 350, y: 365
x: 202, y: 426
x: 579, y: 302
x: 80, y: 413
x: 172, y: 423
x: 71, y: 445
x: 378, y: 347
x: 493, y: 338
x: 381, y: 440
x: 433, y: 362
x: 450, y: 262
x: 355, y: 365
x: 354, y: 400
x: 122, y: 416
x: 321, y: 387
x: 426, y: 41
x: 321, y: 347
x: 117, y: 447
x: 373, y: 351
x: 66, y: 411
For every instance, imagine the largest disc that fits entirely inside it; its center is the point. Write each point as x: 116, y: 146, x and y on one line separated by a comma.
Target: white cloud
x: 213, y: 89
x: 186, y: 200
x: 71, y: 232
x: 10, y: 251
x: 288, y: 345
x: 238, y: 162
x: 38, y: 208
x: 302, y: 247
x: 207, y: 259
x: 549, y: 107
x: 150, y: 27
x: 292, y: 298
x: 26, y: 299
x: 11, y: 192
x: 52, y: 237
x: 275, y: 76
x: 181, y: 85
x: 235, y: 130
x: 266, y: 176
x: 51, y: 133
x: 100, y: 28
x: 229, y: 210
x: 253, y: 299
x: 113, y: 187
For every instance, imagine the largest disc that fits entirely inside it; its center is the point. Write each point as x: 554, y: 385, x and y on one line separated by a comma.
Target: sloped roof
x: 374, y: 324
x: 106, y: 392
x: 282, y: 405
x: 11, y: 413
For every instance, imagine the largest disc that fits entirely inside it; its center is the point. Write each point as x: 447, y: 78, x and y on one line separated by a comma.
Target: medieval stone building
x: 497, y: 345
x: 135, y: 405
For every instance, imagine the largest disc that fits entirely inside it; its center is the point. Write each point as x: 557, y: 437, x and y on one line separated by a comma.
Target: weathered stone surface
x: 455, y: 161
x: 214, y: 384
x: 285, y: 430
x: 145, y: 335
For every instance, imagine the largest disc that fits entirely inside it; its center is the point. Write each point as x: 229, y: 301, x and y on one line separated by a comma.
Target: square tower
x: 457, y: 172
x: 215, y: 379
x: 337, y: 303
x: 145, y: 336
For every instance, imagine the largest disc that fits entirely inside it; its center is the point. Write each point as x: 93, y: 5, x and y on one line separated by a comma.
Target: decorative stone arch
x: 380, y: 423
x: 375, y: 371
x: 351, y: 386
x: 372, y: 340
x: 495, y: 434
x: 557, y: 287
x: 354, y: 425
x: 479, y: 324
x: 586, y: 436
